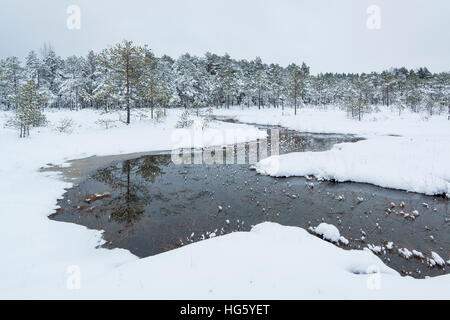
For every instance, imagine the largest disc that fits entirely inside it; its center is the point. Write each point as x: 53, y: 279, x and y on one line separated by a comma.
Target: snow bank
x: 418, y: 164
x: 407, y: 152
x: 270, y: 262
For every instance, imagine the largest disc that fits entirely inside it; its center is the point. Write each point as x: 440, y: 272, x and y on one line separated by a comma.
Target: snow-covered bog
x: 417, y: 164
x: 48, y: 259
x: 406, y: 153
x: 38, y: 252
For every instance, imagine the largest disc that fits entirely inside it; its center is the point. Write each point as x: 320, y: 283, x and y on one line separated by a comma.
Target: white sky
x: 329, y: 35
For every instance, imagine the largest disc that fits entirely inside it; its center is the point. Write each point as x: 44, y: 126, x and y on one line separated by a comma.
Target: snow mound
x: 329, y: 232
x: 383, y: 161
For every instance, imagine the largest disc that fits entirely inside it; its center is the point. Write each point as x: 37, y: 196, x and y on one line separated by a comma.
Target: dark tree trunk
x: 128, y: 91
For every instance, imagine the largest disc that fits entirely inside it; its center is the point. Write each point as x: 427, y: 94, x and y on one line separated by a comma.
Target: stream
x: 149, y: 205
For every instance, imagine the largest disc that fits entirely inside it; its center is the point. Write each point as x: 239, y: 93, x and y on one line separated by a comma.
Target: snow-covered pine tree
x: 92, y: 77
x: 275, y: 83
x: 125, y: 62
x: 28, y: 112
x: 151, y: 89
x: 72, y: 87
x: 13, y: 75
x: 50, y: 80
x: 259, y: 79
x: 33, y: 68
x: 358, y: 99
x: 295, y: 84
x: 227, y: 80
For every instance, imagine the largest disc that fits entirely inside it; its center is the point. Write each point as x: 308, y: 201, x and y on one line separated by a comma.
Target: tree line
x: 131, y: 76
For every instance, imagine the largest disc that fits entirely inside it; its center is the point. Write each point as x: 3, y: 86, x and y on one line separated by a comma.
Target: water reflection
x: 130, y: 183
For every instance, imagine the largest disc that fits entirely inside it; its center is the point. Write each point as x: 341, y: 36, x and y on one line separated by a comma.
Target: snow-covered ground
x: 409, y: 152
x: 41, y: 258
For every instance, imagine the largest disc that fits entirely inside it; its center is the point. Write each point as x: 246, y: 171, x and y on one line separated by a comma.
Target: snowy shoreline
x: 404, y: 153
x: 39, y: 253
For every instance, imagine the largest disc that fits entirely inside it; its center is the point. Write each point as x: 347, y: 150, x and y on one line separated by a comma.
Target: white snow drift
x: 409, y: 152
x: 419, y: 164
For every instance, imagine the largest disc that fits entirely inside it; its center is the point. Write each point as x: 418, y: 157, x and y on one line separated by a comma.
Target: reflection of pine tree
x: 150, y: 166
x: 130, y: 184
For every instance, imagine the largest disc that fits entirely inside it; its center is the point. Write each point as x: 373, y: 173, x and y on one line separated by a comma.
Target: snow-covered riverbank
x: 45, y: 259
x: 409, y: 152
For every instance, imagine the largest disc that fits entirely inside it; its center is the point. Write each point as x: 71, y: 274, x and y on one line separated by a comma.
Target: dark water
x: 150, y: 205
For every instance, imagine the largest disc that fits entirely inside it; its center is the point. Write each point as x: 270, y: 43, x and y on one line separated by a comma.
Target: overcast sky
x: 329, y: 35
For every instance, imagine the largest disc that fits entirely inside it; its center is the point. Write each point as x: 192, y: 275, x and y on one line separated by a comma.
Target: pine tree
x: 28, y: 112
x: 226, y: 76
x: 92, y: 77
x: 152, y: 83
x: 3, y: 85
x: 125, y: 62
x: 72, y: 86
x: 189, y: 81
x: 275, y: 83
x: 260, y: 80
x: 358, y: 100
x: 33, y: 68
x: 12, y: 74
x: 51, y: 67
x: 295, y: 83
